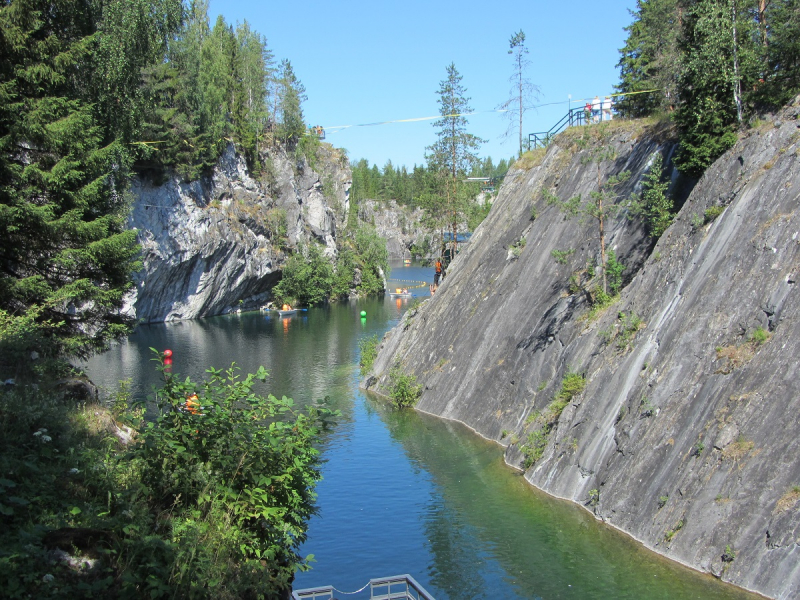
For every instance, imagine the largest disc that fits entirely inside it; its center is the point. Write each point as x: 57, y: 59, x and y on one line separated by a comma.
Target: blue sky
x: 365, y: 62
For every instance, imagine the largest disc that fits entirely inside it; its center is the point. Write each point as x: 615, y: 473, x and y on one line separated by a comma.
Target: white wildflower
x: 74, y: 471
x: 46, y: 438
x: 48, y: 578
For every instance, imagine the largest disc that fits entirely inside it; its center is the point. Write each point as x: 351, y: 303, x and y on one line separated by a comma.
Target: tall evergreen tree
x: 650, y: 59
x: 290, y: 96
x: 719, y: 61
x: 65, y: 256
x: 455, y: 150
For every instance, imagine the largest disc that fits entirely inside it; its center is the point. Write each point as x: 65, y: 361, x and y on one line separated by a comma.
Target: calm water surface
x: 405, y: 492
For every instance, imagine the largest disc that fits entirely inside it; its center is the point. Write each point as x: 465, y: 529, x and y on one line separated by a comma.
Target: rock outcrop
x: 684, y: 435
x: 218, y: 244
x: 400, y: 226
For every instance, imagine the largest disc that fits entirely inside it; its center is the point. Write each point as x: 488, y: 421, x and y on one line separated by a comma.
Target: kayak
x: 400, y: 295
x: 287, y: 313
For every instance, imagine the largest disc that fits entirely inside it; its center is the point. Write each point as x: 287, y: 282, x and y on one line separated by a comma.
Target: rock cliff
x: 684, y: 434
x: 217, y: 244
x: 400, y: 226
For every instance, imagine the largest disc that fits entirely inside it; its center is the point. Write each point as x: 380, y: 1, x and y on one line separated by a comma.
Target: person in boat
x: 287, y: 307
x: 405, y: 290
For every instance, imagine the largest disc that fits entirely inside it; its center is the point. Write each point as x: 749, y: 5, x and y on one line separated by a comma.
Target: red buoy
x: 167, y: 353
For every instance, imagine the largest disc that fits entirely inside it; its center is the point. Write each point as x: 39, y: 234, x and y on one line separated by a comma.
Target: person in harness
x: 437, y: 273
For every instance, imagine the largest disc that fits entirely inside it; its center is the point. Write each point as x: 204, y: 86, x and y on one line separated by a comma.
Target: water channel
x: 404, y: 492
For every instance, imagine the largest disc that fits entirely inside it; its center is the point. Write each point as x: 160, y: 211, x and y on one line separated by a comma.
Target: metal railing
x: 575, y: 117
x: 399, y: 587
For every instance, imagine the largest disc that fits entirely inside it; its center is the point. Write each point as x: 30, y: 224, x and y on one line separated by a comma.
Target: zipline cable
x: 338, y: 128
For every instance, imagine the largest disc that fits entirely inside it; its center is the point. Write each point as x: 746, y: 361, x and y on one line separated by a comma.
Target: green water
x: 405, y: 492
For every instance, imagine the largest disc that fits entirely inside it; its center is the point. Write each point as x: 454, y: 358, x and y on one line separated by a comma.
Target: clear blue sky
x: 372, y: 61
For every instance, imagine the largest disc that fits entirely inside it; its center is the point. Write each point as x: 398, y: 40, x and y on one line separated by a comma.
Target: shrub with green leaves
x: 369, y: 351
x: 243, y: 457
x: 404, y: 391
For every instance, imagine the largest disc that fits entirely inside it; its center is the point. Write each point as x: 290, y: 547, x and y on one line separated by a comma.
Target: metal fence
x: 575, y: 117
x: 399, y: 587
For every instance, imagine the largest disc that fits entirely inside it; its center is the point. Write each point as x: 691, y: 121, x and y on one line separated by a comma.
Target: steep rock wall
x: 212, y: 246
x: 685, y: 434
x: 400, y: 226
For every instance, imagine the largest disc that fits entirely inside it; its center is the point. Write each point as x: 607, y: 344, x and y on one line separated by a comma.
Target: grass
x: 788, y: 500
x: 532, y: 158
x: 601, y: 304
x: 738, y: 449
x: 737, y: 355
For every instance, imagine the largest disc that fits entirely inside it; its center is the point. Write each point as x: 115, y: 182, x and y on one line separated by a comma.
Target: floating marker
x: 363, y: 314
x: 167, y: 353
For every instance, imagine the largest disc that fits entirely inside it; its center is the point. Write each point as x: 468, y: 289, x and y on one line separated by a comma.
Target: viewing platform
x: 399, y: 587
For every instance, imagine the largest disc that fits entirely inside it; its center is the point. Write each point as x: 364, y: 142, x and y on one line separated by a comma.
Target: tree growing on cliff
x: 602, y: 205
x: 65, y: 255
x: 290, y: 96
x: 454, y: 153
x: 719, y: 62
x: 523, y: 90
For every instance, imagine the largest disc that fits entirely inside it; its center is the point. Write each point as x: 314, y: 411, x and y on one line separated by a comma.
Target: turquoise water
x: 405, y: 492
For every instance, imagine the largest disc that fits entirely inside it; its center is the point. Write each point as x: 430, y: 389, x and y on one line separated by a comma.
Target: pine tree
x: 65, y: 256
x: 523, y: 91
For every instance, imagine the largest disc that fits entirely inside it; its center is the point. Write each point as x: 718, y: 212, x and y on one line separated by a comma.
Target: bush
x: 404, y: 390
x: 243, y: 457
x: 369, y: 351
x: 207, y: 505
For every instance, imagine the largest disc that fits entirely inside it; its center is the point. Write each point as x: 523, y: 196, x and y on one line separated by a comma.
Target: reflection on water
x: 405, y: 492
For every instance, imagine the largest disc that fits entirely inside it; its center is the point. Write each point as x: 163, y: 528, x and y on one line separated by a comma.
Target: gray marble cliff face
x: 209, y: 244
x: 686, y: 433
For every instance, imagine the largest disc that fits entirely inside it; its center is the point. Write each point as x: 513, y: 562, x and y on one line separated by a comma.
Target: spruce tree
x: 65, y: 256
x: 650, y: 59
x: 454, y: 153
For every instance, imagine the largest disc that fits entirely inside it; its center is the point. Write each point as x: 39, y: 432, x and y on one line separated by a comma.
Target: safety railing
x: 399, y: 587
x: 575, y: 117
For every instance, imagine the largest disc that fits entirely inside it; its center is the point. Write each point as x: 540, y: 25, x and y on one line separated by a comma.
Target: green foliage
x: 628, y: 327
x: 601, y: 302
x: 307, y: 278
x: 594, y: 497
x: 759, y: 336
x: 206, y: 505
x: 243, y: 457
x: 649, y: 60
x: 571, y: 385
x: 562, y: 256
x: 518, y: 246
x: 715, y: 61
x: 614, y: 270
x: 67, y: 256
x: 368, y: 348
x: 404, y: 391
x: 712, y: 213
x: 655, y: 204
x: 662, y: 501
x: 729, y: 555
x: 534, y: 446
